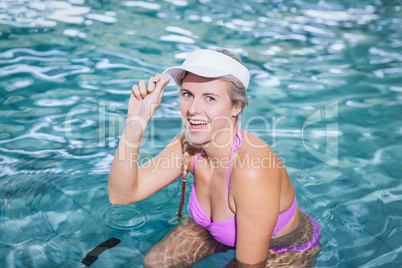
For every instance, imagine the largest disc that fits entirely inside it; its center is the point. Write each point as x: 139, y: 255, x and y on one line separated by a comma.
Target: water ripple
x: 124, y: 219
x: 102, y: 18
x: 10, y: 53
x: 40, y: 72
x: 146, y: 5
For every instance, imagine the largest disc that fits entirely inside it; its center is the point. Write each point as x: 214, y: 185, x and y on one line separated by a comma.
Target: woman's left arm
x: 256, y: 192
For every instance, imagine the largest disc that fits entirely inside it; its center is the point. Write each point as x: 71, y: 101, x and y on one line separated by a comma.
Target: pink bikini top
x: 225, y: 231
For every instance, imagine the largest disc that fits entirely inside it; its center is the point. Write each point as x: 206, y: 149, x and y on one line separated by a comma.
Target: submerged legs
x: 184, y: 245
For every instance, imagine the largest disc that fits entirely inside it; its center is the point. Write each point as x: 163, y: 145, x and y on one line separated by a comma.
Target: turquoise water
x: 326, y: 94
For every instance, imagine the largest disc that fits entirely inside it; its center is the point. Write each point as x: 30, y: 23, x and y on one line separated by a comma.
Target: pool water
x: 326, y: 94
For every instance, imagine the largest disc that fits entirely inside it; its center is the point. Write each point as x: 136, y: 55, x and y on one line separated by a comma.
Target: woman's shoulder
x: 252, y: 139
x: 254, y: 148
x: 256, y: 160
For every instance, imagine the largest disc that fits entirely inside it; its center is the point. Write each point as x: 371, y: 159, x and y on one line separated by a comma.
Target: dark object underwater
x: 93, y: 254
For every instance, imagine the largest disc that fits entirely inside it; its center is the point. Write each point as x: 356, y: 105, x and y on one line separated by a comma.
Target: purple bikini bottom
x: 313, y: 242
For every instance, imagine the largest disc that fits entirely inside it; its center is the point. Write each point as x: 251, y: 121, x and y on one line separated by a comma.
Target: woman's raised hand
x: 145, y: 100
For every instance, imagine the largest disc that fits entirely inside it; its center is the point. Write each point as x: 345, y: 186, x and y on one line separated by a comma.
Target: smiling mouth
x: 197, y: 125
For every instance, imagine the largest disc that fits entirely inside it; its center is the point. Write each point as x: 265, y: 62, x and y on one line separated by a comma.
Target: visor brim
x: 175, y: 72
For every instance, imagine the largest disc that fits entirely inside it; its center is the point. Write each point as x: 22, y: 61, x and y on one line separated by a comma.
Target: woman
x: 242, y: 196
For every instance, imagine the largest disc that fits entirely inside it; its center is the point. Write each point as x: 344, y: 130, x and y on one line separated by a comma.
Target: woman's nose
x: 195, y: 107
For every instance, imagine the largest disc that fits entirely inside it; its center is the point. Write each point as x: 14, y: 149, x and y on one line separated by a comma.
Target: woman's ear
x: 236, y: 110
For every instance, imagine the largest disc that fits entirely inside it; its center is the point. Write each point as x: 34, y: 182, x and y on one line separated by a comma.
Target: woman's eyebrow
x: 213, y: 94
x: 204, y: 94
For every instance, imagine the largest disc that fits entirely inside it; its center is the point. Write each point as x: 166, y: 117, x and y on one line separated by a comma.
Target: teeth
x: 198, y: 122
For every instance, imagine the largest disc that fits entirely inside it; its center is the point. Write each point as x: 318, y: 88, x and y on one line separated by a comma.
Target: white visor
x: 211, y: 64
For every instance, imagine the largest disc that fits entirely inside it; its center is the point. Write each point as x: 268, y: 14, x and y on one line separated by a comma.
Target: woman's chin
x: 197, y: 140
x: 198, y: 137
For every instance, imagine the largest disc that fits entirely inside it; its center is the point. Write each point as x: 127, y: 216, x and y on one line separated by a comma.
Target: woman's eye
x: 210, y: 98
x: 186, y: 94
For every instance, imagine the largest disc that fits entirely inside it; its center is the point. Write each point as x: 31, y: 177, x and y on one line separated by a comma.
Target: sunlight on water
x: 325, y: 94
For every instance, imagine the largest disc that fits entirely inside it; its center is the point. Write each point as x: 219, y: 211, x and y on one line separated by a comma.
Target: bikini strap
x: 228, y: 170
x: 196, y: 160
x: 236, y: 145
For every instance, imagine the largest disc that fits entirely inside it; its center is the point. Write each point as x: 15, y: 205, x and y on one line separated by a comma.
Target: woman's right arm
x: 129, y: 183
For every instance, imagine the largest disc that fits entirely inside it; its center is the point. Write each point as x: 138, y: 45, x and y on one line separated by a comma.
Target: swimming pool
x: 326, y: 94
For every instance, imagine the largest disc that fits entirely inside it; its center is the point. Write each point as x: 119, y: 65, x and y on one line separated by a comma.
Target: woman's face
x: 206, y: 109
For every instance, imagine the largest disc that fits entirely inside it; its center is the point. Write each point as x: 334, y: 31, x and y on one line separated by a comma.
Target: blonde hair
x: 237, y: 93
